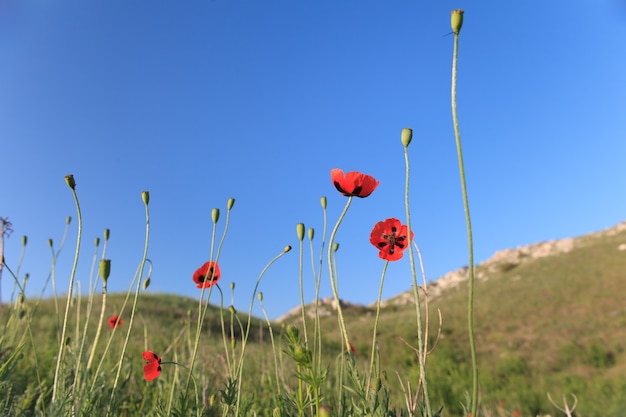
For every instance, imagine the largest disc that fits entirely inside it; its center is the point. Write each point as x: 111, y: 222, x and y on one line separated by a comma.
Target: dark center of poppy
x: 393, y: 240
x: 211, y: 274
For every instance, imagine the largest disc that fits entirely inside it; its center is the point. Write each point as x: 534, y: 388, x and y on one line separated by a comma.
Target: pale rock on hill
x: 502, y: 260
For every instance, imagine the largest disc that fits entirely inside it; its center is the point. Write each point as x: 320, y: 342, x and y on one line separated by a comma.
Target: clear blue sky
x: 199, y: 101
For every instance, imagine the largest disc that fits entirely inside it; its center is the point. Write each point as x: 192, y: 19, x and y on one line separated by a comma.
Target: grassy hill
x: 549, y: 317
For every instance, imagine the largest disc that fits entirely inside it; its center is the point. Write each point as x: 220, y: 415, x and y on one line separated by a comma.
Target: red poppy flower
x: 207, y: 275
x: 353, y: 183
x: 390, y: 237
x: 115, y: 321
x: 350, y: 348
x: 152, y: 368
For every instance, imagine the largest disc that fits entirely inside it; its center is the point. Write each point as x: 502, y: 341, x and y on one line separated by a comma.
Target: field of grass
x: 555, y: 324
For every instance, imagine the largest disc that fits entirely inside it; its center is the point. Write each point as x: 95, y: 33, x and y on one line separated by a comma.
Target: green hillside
x: 549, y: 318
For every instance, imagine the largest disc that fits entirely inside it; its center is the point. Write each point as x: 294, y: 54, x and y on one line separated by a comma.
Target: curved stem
x: 470, y: 303
x: 69, y: 297
x: 380, y: 295
x: 333, y: 280
x: 418, y: 307
x: 134, y: 308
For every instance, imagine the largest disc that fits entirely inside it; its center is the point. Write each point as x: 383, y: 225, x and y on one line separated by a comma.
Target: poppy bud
x: 287, y: 248
x: 232, y: 310
x: 24, y: 240
x: 457, y: 20
x: 323, y: 202
x: 68, y: 220
x: 230, y: 203
x: 105, y: 269
x: 145, y: 196
x: 232, y: 286
x: 146, y: 283
x: 260, y: 296
x: 335, y: 247
x: 96, y: 242
x: 69, y: 180
x: 107, y: 233
x: 215, y: 215
x: 300, y: 231
x: 407, y: 135
x: 26, y: 276
x: 293, y: 334
x: 311, y: 233
x: 50, y: 243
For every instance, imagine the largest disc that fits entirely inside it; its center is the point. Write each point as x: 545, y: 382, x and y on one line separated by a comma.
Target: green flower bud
x: 96, y: 242
x: 260, y: 296
x: 300, y: 231
x: 107, y: 233
x: 146, y: 283
x: 68, y: 220
x: 335, y: 247
x: 105, y: 269
x: 406, y: 136
x: 311, y: 233
x: 293, y: 334
x: 215, y: 215
x: 230, y: 204
x: 145, y: 196
x: 232, y: 286
x: 69, y: 180
x: 457, y: 21
x: 232, y: 310
x: 24, y: 240
x: 323, y: 202
x: 26, y: 276
x: 50, y: 243
x: 287, y: 248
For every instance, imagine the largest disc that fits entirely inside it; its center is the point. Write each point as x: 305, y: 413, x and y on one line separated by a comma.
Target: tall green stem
x: 418, y: 306
x: 145, y: 196
x: 72, y: 184
x: 333, y: 280
x: 470, y: 304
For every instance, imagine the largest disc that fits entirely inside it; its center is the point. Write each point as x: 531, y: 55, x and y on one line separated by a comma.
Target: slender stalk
x: 72, y: 185
x: 418, y: 307
x: 470, y: 303
x: 380, y: 295
x: 246, y: 333
x: 333, y: 278
x: 145, y: 196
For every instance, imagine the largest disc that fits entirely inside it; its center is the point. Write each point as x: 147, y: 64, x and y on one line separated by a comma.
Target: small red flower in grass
x: 516, y: 413
x: 152, y: 368
x: 353, y: 183
x: 115, y: 321
x: 207, y: 275
x: 390, y: 237
x: 350, y: 348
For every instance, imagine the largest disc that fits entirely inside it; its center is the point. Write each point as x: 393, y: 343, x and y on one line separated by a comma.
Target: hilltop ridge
x: 501, y: 261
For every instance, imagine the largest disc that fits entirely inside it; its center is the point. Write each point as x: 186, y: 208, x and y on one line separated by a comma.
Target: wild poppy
x: 353, y: 183
x: 207, y: 275
x: 115, y: 321
x: 390, y: 237
x: 152, y: 368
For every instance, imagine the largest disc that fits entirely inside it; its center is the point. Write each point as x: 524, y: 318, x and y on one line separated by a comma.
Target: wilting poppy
x: 115, y: 321
x: 353, y: 183
x: 207, y: 275
x: 152, y: 368
x: 390, y: 237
